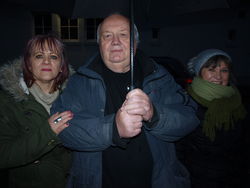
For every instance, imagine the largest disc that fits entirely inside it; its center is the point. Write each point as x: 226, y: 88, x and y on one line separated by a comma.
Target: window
x: 43, y: 23
x: 91, y: 25
x: 69, y: 29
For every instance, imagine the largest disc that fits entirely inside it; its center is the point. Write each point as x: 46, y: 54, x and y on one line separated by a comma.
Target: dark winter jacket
x: 214, y: 164
x: 29, y: 149
x: 90, y: 132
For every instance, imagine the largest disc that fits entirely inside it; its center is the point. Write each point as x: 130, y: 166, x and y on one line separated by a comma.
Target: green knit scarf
x: 224, y: 105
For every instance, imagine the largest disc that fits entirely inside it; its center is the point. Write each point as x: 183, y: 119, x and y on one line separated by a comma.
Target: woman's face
x: 217, y: 75
x: 45, y: 65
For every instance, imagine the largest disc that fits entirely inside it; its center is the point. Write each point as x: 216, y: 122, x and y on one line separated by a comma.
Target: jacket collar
x: 11, y: 79
x: 152, y: 71
x: 142, y: 62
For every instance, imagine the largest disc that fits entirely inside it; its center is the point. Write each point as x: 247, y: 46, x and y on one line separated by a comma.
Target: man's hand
x: 128, y: 125
x: 136, y: 108
x: 138, y: 103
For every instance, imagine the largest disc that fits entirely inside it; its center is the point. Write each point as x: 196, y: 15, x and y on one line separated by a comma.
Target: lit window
x: 69, y: 29
x: 91, y: 25
x: 43, y: 23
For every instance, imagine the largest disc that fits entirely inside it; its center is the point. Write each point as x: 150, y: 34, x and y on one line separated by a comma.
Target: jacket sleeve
x: 175, y: 109
x: 23, y: 140
x: 89, y: 130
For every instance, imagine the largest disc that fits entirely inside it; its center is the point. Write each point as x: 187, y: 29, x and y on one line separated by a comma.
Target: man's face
x: 115, y: 43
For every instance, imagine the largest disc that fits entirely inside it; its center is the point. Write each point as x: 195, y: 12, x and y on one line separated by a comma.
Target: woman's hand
x: 59, y: 121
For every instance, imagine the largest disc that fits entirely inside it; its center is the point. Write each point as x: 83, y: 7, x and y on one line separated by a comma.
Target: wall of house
x: 184, y: 42
x: 16, y: 29
x: 178, y: 41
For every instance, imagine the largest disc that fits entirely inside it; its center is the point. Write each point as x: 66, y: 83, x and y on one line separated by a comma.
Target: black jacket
x: 219, y: 163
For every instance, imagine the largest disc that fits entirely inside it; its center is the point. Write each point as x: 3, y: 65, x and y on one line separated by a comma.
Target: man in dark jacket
x: 124, y: 138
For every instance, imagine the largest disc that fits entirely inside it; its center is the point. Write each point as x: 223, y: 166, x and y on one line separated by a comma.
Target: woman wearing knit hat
x: 213, y: 153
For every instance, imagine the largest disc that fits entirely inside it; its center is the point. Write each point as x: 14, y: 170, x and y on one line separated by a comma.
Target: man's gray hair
x: 136, y: 34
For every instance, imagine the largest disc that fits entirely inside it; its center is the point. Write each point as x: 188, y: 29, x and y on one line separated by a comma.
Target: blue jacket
x: 90, y: 132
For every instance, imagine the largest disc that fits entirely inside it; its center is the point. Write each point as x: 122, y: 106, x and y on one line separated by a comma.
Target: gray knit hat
x: 194, y: 65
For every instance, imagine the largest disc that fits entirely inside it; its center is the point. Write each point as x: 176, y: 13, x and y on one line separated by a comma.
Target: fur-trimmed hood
x: 11, y: 79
